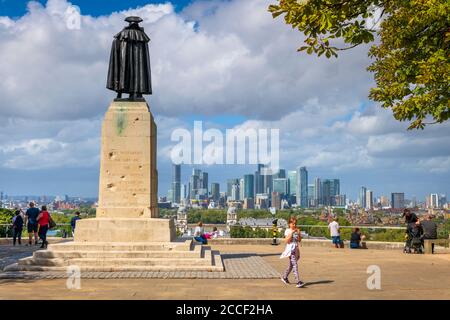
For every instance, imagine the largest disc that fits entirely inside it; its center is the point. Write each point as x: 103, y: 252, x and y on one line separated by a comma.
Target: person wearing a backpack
x: 17, y: 228
x: 43, y: 221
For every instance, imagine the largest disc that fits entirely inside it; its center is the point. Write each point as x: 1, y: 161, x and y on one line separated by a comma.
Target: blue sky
x: 226, y: 63
x: 17, y: 8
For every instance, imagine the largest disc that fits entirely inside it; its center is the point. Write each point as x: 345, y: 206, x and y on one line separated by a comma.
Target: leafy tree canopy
x: 411, y: 59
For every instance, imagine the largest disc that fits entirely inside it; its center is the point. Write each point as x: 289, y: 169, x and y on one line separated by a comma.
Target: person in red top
x: 43, y: 221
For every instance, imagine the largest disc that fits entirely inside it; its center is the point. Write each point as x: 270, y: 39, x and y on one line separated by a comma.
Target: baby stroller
x: 414, y: 242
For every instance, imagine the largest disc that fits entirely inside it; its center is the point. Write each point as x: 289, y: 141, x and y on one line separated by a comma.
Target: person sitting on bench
x: 429, y: 230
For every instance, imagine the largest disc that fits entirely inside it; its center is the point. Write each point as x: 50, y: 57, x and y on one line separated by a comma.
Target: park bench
x: 428, y: 243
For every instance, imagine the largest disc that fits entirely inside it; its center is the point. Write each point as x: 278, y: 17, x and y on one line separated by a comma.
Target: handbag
x: 51, y: 222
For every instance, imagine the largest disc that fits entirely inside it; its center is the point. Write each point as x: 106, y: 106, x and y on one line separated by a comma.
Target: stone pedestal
x: 128, y: 177
x: 128, y: 187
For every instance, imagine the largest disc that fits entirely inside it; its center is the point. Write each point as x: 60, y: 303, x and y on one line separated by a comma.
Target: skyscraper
x: 176, y: 183
x: 330, y: 189
x: 362, y: 197
x: 311, y: 193
x: 230, y: 184
x: 292, y: 177
x: 183, y: 193
x: 258, y: 181
x: 434, y: 201
x: 398, y: 200
x: 249, y: 186
x: 266, y: 175
x: 369, y: 200
x: 235, y: 192
x: 318, y: 192
x: 241, y: 188
x: 281, y: 174
x: 215, y: 191
x: 204, y: 182
x: 198, y: 185
x: 302, y: 187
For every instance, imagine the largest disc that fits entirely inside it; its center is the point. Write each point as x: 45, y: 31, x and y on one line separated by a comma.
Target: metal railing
x: 8, y: 227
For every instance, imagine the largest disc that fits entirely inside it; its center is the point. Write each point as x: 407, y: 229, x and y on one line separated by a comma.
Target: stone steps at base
x: 93, y: 262
x: 209, y: 268
x: 211, y: 263
x: 119, y: 246
x: 48, y: 254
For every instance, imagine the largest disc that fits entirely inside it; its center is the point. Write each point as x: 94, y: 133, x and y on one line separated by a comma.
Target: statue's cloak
x: 129, y: 64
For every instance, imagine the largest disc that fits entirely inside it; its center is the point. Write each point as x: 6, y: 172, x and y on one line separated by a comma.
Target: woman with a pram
x: 414, y: 233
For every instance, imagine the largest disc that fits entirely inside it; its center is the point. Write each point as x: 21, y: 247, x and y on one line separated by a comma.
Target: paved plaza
x: 329, y: 274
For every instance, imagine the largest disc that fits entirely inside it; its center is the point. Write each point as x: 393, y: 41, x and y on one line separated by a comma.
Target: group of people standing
x: 37, y: 223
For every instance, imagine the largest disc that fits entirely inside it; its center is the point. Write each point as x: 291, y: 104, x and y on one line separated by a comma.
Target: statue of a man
x: 129, y: 64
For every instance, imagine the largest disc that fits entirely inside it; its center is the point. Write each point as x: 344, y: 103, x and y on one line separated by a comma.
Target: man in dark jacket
x: 17, y: 227
x: 429, y: 230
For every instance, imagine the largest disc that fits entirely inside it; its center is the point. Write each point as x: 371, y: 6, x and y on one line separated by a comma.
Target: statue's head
x: 133, y: 20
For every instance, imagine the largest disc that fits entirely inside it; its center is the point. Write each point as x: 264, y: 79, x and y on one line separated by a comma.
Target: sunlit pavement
x: 329, y: 273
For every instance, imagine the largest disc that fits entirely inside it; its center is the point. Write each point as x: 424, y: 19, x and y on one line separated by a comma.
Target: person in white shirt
x: 335, y: 233
x: 199, y: 234
x: 293, y: 237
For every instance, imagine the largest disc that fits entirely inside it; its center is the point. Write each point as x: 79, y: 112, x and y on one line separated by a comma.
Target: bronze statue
x: 129, y: 64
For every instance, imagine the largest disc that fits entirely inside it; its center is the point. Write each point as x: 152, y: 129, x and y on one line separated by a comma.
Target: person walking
x: 429, y: 230
x: 17, y: 227
x: 31, y: 216
x: 293, y: 237
x: 43, y: 220
x: 73, y: 222
x: 335, y: 232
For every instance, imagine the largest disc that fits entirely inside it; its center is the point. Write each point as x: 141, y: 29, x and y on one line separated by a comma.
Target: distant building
x: 398, y: 200
x: 258, y: 180
x: 249, y: 203
x: 241, y: 189
x: 182, y: 220
x: 292, y: 178
x: 369, y: 200
x: 262, y: 201
x: 198, y: 185
x: 176, y: 183
x: 267, y: 179
x: 235, y: 193
x: 384, y: 201
x: 230, y: 184
x: 249, y: 186
x: 280, y: 185
x: 276, y: 200
x: 318, y: 199
x: 330, y: 189
x: 362, y: 197
x: 215, y: 191
x: 281, y: 174
x: 311, y: 192
x: 340, y: 200
x: 231, y: 217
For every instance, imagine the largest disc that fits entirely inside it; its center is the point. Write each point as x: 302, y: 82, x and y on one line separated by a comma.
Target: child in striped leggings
x: 293, y: 237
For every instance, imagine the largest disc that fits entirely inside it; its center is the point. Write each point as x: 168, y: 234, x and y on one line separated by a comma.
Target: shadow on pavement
x: 317, y: 282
